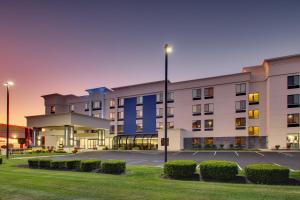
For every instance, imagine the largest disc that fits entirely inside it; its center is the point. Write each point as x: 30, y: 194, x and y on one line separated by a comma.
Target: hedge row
x: 109, y: 166
x: 267, y: 173
x: 226, y: 171
x: 1, y: 160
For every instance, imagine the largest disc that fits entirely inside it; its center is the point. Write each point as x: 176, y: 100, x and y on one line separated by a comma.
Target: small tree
x: 277, y: 147
x: 21, y: 141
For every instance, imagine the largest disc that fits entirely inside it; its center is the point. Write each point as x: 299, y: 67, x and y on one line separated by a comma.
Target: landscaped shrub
x: 89, y: 165
x: 277, y: 147
x: 43, y: 163
x: 73, y: 164
x: 136, y: 148
x: 267, y: 173
x: 218, y: 170
x: 1, y: 160
x: 180, y: 168
x: 58, y: 164
x: 33, y: 163
x: 113, y: 166
x: 60, y: 151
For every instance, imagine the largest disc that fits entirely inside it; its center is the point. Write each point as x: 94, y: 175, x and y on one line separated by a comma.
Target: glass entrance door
x: 292, y: 141
x: 92, y: 143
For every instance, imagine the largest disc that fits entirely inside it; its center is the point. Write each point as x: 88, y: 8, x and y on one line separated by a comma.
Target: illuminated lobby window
x: 253, y: 114
x: 253, y: 131
x: 253, y: 98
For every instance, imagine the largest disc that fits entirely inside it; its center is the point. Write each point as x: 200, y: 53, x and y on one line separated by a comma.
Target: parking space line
x: 292, y: 170
x: 286, y: 154
x: 236, y: 153
x: 259, y: 153
x: 195, y: 153
x: 215, y: 153
x: 240, y: 168
x: 198, y: 166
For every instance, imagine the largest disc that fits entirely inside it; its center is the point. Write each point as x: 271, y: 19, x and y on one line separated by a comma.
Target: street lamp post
x: 167, y: 50
x: 7, y: 85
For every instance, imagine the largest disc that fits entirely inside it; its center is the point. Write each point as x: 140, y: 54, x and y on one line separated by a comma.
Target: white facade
x: 262, y: 124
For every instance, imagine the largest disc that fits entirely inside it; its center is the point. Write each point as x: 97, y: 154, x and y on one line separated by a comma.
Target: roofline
x: 57, y: 94
x: 281, y: 58
x: 212, y: 77
x: 17, y: 126
x: 67, y: 113
x: 139, y: 84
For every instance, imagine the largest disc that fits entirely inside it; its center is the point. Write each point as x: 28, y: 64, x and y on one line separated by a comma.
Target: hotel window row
x: 139, y: 127
x: 208, y: 93
x: 208, y: 125
x: 208, y: 109
x: 96, y: 105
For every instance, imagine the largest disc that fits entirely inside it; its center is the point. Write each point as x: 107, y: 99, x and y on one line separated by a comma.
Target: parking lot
x: 156, y: 158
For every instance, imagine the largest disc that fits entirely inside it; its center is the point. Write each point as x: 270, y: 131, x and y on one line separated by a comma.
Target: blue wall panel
x: 130, y: 115
x: 149, y: 114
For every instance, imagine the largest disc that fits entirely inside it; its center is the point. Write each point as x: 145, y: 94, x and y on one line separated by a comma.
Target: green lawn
x: 139, y: 183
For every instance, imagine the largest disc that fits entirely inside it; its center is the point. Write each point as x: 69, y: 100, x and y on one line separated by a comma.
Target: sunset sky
x: 67, y: 46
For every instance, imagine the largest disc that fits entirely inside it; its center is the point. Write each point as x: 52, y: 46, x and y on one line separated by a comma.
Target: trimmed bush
x: 218, y: 170
x: 73, y: 164
x: 267, y: 173
x: 113, y: 166
x: 58, y: 164
x: 180, y: 168
x: 1, y: 160
x: 33, y: 163
x: 89, y: 165
x: 44, y: 164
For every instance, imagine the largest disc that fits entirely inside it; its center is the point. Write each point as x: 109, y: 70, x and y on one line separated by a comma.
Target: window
x: 170, y: 124
x: 240, y: 89
x: 196, y: 143
x: 209, y: 141
x: 253, y: 98
x: 120, y: 115
x: 71, y: 107
x: 159, y: 112
x: 253, y: 131
x: 139, y: 114
x: 170, y: 97
x: 240, y: 141
x: 139, y: 127
x: 159, y: 98
x: 209, y: 93
x: 196, y: 109
x: 292, y: 141
x: 196, y: 125
x: 139, y: 100
x: 209, y: 124
x: 52, y: 109
x: 86, y: 106
x: 170, y: 112
x: 112, y: 129
x: 293, y: 81
x: 120, y: 129
x: 112, y: 116
x: 253, y: 114
x: 120, y: 102
x: 240, y: 106
x: 240, y: 123
x: 96, y: 105
x: 208, y: 108
x: 196, y: 94
x: 101, y: 138
x: 293, y: 100
x: 293, y: 120
x: 112, y: 103
x: 159, y: 125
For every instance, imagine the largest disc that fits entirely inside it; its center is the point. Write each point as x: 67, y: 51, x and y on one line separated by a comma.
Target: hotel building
x: 257, y: 108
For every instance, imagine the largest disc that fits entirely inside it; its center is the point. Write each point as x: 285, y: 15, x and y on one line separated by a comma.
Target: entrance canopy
x: 70, y: 119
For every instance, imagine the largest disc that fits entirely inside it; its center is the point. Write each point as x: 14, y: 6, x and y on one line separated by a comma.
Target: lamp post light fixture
x: 8, y: 84
x: 167, y: 49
